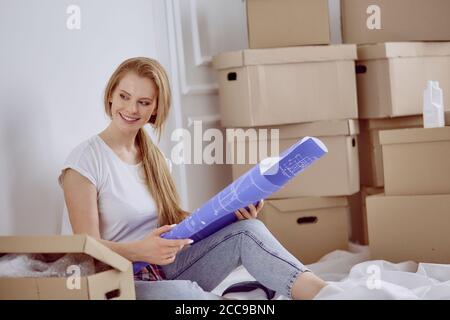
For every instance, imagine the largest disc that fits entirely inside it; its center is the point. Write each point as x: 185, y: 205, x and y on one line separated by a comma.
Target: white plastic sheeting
x: 351, y: 275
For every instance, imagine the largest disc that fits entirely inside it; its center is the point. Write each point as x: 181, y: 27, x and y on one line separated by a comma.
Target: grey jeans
x: 201, y: 267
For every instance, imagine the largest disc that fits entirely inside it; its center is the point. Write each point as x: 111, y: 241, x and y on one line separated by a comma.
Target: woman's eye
x: 123, y: 96
x: 144, y: 103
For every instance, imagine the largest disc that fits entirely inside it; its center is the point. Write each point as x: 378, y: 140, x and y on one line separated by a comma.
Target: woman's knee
x: 254, y: 226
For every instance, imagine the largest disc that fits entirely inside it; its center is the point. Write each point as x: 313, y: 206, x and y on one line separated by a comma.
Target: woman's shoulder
x: 85, y: 158
x: 87, y: 149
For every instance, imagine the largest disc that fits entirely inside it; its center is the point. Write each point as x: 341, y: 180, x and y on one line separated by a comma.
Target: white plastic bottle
x: 433, y: 106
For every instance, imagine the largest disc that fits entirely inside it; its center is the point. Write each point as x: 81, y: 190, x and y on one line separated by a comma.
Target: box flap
x: 300, y: 130
x: 392, y: 123
x: 226, y: 60
x: 403, y: 50
x: 106, y: 255
x: 414, y: 135
x: 307, y: 203
x: 319, y: 129
x: 64, y: 244
x: 369, y: 191
x: 42, y: 244
x: 253, y: 57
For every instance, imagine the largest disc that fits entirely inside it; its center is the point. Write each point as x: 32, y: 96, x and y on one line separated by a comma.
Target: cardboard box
x: 357, y: 202
x: 392, y: 77
x: 287, y: 23
x: 267, y: 87
x: 416, y: 161
x: 403, y: 228
x: 336, y: 174
x: 375, y: 21
x: 117, y: 282
x: 370, y: 152
x: 309, y: 228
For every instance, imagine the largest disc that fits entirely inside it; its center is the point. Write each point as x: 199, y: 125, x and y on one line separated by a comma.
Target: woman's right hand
x: 156, y: 250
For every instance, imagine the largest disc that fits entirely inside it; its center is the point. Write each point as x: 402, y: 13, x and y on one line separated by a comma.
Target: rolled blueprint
x: 257, y: 184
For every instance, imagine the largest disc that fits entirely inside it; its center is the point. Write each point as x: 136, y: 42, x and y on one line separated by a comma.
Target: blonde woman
x: 118, y: 189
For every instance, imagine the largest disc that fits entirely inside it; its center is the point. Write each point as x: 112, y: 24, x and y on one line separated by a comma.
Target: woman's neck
x: 118, y: 140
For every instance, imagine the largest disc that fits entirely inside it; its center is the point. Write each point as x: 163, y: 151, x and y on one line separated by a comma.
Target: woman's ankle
x: 307, y: 286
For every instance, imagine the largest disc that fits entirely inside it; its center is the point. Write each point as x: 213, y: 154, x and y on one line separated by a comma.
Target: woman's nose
x: 132, y: 107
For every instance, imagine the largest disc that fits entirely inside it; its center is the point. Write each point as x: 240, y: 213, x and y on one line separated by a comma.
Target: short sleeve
x: 83, y: 160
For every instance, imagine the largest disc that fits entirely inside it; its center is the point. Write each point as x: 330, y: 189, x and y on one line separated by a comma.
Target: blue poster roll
x: 257, y: 184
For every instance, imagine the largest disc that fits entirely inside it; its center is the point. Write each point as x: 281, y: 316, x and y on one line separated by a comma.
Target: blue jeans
x: 201, y: 267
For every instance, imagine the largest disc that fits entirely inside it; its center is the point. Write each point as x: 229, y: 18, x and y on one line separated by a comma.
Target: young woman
x: 118, y: 189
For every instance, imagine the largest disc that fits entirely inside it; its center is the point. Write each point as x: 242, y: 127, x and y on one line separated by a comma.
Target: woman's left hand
x: 243, y: 213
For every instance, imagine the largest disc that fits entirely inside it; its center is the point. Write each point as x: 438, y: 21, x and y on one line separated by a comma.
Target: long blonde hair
x: 159, y: 180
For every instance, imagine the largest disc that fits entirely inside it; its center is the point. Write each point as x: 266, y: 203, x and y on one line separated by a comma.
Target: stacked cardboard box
x: 378, y: 21
x: 411, y: 220
x: 392, y: 73
x: 391, y: 78
x: 286, y: 81
x: 287, y: 23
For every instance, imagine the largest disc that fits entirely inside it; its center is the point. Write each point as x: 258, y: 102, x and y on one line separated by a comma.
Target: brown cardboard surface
x: 404, y: 228
x: 336, y: 174
x: 416, y: 161
x: 289, y: 85
x: 390, y: 87
x: 420, y: 21
x: 317, y: 129
x: 414, y: 135
x: 308, y: 234
x: 121, y: 277
x: 403, y: 50
x: 308, y: 203
x: 256, y: 57
x: 392, y: 123
x: 370, y: 152
x: 286, y: 23
x: 357, y: 202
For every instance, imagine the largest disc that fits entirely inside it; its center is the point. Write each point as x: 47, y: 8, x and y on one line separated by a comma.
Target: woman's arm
x: 81, y: 200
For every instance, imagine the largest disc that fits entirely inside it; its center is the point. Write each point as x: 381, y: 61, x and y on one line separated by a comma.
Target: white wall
x: 51, y: 85
x: 52, y: 80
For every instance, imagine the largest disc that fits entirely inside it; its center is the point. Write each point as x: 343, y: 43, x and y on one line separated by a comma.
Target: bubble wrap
x: 48, y: 265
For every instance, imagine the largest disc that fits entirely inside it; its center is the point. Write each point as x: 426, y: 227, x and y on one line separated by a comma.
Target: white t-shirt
x: 127, y: 211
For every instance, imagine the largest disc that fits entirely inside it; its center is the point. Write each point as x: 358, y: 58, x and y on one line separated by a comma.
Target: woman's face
x: 133, y: 102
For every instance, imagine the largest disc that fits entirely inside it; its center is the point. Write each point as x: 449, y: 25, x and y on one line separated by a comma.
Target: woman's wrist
x: 134, y: 252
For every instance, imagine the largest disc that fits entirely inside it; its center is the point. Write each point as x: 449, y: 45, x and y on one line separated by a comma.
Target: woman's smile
x: 128, y: 119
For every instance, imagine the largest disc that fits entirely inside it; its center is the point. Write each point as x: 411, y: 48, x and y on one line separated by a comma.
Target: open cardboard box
x: 116, y: 283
